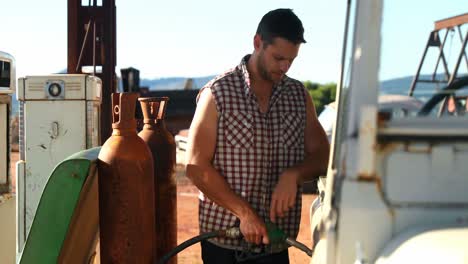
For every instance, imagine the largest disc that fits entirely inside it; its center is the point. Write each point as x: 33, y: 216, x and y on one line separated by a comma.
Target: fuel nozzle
x: 233, y: 232
x: 278, y: 237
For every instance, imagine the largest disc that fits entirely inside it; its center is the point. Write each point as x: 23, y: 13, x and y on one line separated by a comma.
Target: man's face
x: 275, y: 59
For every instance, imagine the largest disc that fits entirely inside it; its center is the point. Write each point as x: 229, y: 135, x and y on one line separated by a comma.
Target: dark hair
x: 281, y: 23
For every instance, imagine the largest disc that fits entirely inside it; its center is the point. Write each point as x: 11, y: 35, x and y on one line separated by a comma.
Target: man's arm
x: 200, y: 152
x: 315, y: 163
x: 317, y: 147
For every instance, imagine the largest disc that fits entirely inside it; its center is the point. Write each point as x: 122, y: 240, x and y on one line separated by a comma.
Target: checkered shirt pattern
x: 254, y: 148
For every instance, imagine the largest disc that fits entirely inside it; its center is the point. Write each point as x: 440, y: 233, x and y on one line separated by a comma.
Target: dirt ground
x: 187, y: 219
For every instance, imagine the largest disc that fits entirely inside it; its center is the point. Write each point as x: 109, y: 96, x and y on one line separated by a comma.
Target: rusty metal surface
x: 162, y: 145
x: 451, y: 22
x: 92, y: 42
x: 126, y: 190
x: 180, y: 111
x: 367, y: 144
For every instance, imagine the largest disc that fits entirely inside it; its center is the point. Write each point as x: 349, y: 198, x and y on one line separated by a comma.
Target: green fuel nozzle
x: 278, y: 237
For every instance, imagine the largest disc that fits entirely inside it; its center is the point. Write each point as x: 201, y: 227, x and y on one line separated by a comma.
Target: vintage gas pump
x: 7, y: 198
x: 7, y: 84
x: 59, y: 116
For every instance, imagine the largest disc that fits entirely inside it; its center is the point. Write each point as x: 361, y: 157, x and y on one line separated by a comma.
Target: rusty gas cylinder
x: 126, y: 190
x: 162, y: 145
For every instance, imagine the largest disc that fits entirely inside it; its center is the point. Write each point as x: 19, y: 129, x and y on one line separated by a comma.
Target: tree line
x: 322, y: 94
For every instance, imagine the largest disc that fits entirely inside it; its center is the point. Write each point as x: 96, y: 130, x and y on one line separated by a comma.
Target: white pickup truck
x: 396, y: 187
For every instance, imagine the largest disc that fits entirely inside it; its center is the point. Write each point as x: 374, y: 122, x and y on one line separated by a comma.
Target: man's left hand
x: 284, y: 195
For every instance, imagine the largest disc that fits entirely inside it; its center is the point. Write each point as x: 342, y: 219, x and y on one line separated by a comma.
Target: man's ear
x: 257, y: 42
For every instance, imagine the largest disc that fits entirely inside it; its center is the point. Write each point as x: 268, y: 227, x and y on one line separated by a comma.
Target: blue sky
x: 405, y: 31
x: 207, y: 37
x: 174, y: 38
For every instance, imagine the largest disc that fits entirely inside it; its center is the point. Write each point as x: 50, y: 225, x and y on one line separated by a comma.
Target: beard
x: 263, y: 70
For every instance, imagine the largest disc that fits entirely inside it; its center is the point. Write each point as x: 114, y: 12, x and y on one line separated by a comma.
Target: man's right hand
x: 253, y: 228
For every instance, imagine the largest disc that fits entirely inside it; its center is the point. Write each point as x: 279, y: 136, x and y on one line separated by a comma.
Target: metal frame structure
x: 448, y: 24
x: 92, y: 44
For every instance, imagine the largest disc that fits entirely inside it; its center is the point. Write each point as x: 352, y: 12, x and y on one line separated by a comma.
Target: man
x: 253, y: 141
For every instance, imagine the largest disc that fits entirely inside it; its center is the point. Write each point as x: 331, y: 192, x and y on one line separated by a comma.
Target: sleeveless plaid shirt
x: 254, y: 148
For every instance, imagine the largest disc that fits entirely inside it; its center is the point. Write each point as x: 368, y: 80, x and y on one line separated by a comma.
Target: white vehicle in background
x: 394, y: 105
x: 396, y: 187
x: 327, y: 119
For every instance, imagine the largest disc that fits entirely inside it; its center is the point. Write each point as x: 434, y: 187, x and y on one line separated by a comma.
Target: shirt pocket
x: 238, y: 129
x: 292, y: 128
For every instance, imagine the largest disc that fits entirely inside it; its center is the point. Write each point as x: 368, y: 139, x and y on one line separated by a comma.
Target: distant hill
x: 392, y: 86
x: 402, y: 85
x: 174, y: 83
x: 169, y: 83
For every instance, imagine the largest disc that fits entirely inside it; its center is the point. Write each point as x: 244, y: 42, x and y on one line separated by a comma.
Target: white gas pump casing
x: 5, y: 101
x: 59, y: 116
x: 7, y: 199
x: 7, y: 86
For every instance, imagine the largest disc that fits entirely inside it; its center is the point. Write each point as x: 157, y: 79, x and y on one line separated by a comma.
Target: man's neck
x: 259, y: 86
x: 257, y: 83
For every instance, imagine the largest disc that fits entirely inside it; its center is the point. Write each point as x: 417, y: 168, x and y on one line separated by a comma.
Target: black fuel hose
x: 231, y: 233
x: 187, y: 244
x: 299, y: 246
